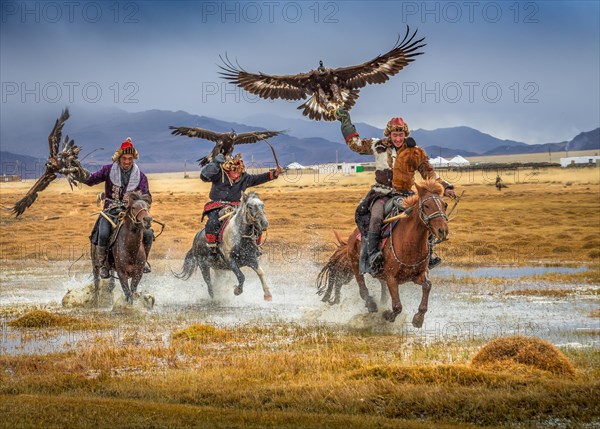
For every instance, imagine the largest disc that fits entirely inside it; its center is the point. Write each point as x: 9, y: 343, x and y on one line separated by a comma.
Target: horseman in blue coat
x: 120, y: 178
x: 229, y: 180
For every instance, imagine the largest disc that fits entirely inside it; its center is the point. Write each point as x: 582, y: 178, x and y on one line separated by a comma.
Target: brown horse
x: 127, y: 255
x: 405, y: 254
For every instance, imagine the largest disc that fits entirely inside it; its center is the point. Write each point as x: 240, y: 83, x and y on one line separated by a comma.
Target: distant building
x: 438, y: 162
x: 295, y: 166
x: 458, y: 161
x: 579, y: 161
x: 10, y: 178
x: 341, y: 168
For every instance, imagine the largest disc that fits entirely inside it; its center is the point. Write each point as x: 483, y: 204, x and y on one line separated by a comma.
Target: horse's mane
x: 430, y: 186
x: 137, y: 195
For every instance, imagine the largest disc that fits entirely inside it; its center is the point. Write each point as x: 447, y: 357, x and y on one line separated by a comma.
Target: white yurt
x: 439, y: 162
x: 458, y: 161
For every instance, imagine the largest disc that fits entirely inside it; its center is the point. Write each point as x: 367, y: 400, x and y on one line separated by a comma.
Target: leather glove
x: 348, y: 128
x: 220, y: 158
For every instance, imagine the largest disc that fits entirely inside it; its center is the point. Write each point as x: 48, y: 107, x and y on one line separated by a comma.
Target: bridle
x: 426, y: 219
x: 252, y: 220
x: 135, y: 217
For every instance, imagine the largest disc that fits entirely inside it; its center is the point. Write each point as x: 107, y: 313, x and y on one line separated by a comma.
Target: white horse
x: 237, y: 249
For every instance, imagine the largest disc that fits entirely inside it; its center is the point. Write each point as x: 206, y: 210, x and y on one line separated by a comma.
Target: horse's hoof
x: 418, y: 320
x: 372, y: 307
x: 268, y: 298
x: 238, y: 291
x: 389, y: 315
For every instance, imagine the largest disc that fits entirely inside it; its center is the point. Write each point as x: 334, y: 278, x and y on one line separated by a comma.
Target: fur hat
x: 396, y: 124
x: 235, y: 164
x: 126, y: 148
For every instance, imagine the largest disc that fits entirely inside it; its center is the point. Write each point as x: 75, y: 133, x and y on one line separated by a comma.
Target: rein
x: 426, y: 220
x: 256, y: 232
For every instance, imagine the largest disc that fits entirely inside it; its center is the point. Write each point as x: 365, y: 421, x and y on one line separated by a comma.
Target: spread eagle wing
x: 25, y: 202
x: 379, y: 69
x: 287, y: 87
x: 56, y: 134
x: 255, y: 136
x: 200, y: 133
x: 60, y: 161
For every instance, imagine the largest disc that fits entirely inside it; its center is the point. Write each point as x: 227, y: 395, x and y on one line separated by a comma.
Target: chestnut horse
x: 405, y: 254
x: 127, y: 256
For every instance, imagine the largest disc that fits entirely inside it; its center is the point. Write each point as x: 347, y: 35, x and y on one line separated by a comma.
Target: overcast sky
x: 527, y: 71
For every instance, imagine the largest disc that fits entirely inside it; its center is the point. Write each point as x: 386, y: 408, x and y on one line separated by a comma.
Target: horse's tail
x: 336, y: 272
x: 190, y: 264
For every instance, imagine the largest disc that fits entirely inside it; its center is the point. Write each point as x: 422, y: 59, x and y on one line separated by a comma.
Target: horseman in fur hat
x: 229, y: 180
x: 397, y: 159
x: 120, y: 178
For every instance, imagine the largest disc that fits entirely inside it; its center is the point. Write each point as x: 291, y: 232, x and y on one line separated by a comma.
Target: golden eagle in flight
x: 224, y: 141
x: 64, y: 162
x: 328, y: 88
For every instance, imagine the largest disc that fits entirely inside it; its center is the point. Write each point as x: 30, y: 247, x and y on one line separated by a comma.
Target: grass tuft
x: 534, y: 352
x: 202, y: 333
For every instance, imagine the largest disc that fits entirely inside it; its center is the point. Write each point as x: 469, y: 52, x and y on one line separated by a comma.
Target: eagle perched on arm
x: 224, y: 141
x: 63, y: 161
x: 328, y: 88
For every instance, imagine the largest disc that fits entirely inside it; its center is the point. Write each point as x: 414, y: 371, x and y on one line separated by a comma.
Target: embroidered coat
x: 110, y: 174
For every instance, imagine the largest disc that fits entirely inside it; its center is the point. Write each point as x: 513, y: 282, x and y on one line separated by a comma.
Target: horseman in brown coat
x: 397, y: 159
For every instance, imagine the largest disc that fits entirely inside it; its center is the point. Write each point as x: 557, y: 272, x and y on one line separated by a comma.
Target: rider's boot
x: 434, y: 261
x: 147, y: 241
x: 375, y: 257
x: 101, y: 261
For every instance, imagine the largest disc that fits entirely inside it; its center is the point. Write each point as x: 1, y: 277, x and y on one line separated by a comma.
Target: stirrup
x: 147, y: 268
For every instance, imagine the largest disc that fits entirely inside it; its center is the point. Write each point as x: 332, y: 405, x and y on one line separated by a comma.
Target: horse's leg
x: 240, y: 277
x: 135, y: 280
x: 364, y: 293
x: 111, y: 283
x: 96, y: 274
x: 337, y: 293
x: 385, y: 295
x: 205, y: 270
x: 360, y: 279
x: 392, y: 285
x: 261, y: 275
x: 125, y: 286
x: 420, y: 315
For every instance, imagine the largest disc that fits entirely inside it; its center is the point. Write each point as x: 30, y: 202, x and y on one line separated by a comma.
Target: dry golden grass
x: 503, y: 353
x: 313, y: 376
x: 538, y: 219
x: 290, y: 376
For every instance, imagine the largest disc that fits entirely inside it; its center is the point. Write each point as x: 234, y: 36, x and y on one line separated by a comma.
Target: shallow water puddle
x: 457, y: 311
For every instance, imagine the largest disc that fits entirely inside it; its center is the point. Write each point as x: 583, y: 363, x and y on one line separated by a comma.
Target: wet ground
x: 459, y: 308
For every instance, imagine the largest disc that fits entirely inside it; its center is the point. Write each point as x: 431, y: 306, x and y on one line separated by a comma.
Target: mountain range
x: 101, y: 130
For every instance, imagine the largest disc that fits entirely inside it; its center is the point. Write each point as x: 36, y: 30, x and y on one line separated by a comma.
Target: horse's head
x: 255, y: 212
x: 138, y: 209
x: 432, y: 209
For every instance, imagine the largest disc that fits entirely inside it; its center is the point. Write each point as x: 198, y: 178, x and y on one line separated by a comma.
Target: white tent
x: 439, y: 162
x: 458, y: 161
x: 295, y: 166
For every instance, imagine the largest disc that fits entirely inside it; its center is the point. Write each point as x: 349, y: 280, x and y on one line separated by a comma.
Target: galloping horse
x: 238, y: 247
x: 406, y: 254
x: 126, y: 255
